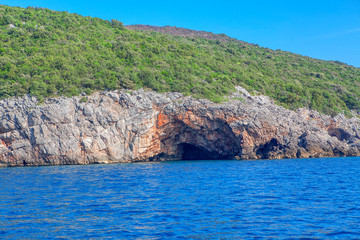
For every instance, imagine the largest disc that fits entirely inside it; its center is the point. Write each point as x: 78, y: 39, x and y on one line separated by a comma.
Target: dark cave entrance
x: 192, y: 152
x: 339, y: 134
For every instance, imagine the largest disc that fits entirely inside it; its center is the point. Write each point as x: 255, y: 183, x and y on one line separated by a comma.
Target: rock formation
x: 119, y: 126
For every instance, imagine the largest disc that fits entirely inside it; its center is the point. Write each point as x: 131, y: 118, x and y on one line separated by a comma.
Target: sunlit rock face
x: 119, y: 126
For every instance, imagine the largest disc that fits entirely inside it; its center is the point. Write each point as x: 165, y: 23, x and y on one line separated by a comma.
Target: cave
x: 339, y: 134
x: 192, y: 152
x: 264, y: 150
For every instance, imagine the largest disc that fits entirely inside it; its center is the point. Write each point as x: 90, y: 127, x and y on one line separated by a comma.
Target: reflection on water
x: 310, y: 198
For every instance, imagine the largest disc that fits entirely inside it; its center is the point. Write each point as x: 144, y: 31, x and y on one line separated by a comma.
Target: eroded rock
x: 118, y: 126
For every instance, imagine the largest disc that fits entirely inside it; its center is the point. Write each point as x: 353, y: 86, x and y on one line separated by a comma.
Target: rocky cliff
x: 119, y: 126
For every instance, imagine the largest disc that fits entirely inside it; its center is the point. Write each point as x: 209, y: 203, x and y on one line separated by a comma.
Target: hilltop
x: 183, y: 32
x: 48, y: 53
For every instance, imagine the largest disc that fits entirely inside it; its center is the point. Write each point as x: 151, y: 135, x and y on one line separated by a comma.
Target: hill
x: 48, y: 53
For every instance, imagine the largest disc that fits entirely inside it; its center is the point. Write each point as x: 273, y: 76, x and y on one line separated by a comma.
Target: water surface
x: 263, y: 199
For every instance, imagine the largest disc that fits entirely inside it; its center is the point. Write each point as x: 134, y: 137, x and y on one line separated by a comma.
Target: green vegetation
x: 47, y: 53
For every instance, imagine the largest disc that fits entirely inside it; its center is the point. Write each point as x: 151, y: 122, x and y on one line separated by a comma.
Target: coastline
x: 141, y: 126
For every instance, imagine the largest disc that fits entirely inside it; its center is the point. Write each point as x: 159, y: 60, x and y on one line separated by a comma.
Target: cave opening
x: 192, y: 152
x: 339, y: 134
x: 268, y: 147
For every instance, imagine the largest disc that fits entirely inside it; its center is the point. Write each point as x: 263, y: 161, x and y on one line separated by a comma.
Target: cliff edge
x: 120, y: 126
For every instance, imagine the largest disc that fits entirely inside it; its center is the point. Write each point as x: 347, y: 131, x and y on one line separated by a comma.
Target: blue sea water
x: 263, y: 199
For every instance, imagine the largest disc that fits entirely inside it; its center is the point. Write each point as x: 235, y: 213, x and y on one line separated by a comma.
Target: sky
x: 328, y: 30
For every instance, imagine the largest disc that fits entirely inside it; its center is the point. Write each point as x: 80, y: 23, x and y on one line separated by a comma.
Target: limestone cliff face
x: 117, y: 126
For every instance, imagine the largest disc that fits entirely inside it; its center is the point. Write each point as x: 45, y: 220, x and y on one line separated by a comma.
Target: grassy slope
x: 47, y: 53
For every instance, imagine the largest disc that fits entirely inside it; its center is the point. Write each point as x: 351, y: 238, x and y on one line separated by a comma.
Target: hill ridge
x: 187, y: 32
x: 183, y: 32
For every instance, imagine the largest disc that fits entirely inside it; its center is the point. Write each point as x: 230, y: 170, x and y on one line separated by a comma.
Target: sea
x: 222, y: 199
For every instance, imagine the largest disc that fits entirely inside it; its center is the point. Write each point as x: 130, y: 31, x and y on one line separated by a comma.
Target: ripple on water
x: 286, y: 199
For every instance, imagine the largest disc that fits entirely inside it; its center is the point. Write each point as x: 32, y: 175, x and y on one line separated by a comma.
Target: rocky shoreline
x: 122, y: 126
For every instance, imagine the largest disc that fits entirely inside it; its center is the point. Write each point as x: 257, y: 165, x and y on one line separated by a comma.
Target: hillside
x: 47, y: 53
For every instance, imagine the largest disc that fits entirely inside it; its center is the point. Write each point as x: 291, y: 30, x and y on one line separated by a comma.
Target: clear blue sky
x: 327, y: 30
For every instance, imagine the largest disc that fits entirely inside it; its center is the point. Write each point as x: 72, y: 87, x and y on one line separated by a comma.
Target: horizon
x: 337, y: 43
